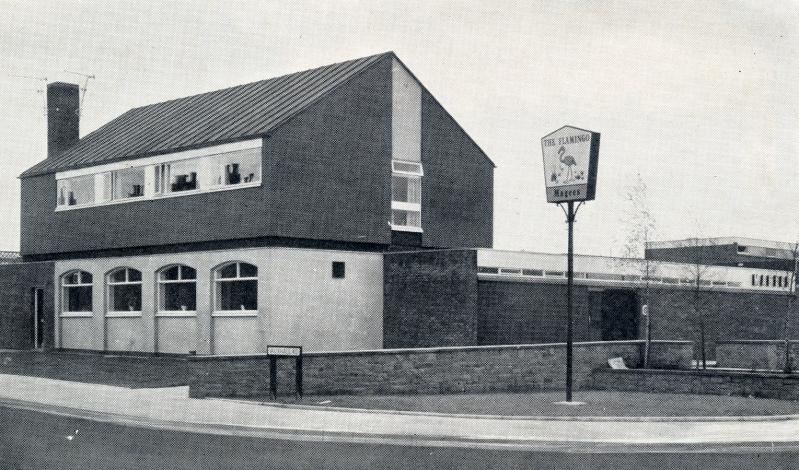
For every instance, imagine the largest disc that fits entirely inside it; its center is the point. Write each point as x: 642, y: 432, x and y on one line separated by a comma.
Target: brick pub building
x: 339, y: 208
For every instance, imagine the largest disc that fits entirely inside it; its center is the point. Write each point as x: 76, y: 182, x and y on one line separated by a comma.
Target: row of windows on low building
x: 235, y: 289
x: 770, y: 281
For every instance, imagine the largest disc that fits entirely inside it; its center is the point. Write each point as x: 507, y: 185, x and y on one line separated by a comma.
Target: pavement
x: 171, y: 408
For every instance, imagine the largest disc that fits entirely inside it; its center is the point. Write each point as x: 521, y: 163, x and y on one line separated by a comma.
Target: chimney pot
x: 63, y: 117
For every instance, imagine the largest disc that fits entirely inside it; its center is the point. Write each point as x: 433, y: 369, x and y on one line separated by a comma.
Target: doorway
x: 38, y: 317
x: 619, y: 314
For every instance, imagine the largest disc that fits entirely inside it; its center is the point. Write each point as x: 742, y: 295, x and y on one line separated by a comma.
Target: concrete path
x: 171, y: 408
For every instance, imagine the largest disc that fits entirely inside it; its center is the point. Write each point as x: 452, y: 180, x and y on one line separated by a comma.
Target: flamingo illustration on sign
x: 569, y: 161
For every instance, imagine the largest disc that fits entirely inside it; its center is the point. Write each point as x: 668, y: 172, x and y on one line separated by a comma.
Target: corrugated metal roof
x: 219, y: 116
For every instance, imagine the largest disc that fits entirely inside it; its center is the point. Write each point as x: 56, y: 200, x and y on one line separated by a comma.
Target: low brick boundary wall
x: 426, y: 370
x: 755, y: 384
x: 755, y: 354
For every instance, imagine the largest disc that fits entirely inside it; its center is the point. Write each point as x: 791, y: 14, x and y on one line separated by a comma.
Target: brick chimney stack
x: 63, y: 116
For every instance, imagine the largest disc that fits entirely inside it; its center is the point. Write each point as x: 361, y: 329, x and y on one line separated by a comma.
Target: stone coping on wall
x: 755, y: 341
x: 440, y: 349
x: 701, y: 373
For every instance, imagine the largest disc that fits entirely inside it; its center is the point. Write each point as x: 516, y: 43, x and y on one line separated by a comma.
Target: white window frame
x: 205, y: 158
x: 64, y: 286
x: 407, y: 206
x: 127, y: 282
x: 180, y: 280
x: 217, y: 280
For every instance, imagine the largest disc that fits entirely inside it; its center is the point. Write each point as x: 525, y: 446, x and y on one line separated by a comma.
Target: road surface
x: 35, y: 440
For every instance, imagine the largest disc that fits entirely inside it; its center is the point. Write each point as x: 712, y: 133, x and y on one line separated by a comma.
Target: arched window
x: 177, y: 289
x: 124, y: 291
x: 76, y: 292
x: 236, y: 288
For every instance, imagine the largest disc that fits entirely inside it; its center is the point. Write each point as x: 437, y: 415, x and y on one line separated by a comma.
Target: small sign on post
x: 274, y: 352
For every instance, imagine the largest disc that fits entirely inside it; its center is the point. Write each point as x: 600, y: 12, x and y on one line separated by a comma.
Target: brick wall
x: 16, y: 307
x: 426, y: 370
x: 520, y: 313
x: 458, y: 183
x: 527, y: 312
x: 761, y: 385
x: 430, y: 298
x: 749, y: 315
x: 756, y: 354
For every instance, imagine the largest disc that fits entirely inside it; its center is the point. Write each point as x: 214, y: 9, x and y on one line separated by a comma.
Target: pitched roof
x: 218, y: 116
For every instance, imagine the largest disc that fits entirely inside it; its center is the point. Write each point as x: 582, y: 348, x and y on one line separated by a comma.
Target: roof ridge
x: 219, y: 90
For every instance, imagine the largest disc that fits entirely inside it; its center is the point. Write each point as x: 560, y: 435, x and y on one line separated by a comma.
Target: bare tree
x: 790, y: 275
x: 697, y: 276
x: 640, y: 229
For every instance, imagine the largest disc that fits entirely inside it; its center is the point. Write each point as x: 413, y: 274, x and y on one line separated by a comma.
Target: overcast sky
x: 700, y: 98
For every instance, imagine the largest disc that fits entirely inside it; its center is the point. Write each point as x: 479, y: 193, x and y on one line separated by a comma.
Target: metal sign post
x: 570, y: 165
x: 274, y: 352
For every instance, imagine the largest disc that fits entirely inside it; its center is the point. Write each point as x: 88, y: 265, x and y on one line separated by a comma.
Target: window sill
x: 406, y: 228
x: 76, y: 315
x: 177, y: 313
x: 134, y: 314
x: 235, y: 313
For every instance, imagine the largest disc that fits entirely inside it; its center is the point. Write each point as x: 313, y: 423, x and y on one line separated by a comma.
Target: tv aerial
x: 86, y: 78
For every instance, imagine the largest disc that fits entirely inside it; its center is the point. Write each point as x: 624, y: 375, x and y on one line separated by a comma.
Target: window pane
x: 78, y: 299
x: 128, y: 183
x: 182, y: 176
x: 243, y: 166
x: 134, y: 275
x: 170, y: 274
x: 399, y: 188
x: 228, y: 271
x: 117, y: 276
x: 72, y: 278
x: 76, y: 191
x: 406, y: 218
x: 125, y: 297
x: 179, y: 296
x: 107, y: 189
x: 248, y: 270
x: 188, y: 273
x: 237, y: 295
x: 399, y: 217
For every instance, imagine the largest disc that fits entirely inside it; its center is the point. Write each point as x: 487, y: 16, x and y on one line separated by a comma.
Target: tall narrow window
x: 236, y: 288
x: 406, y: 196
x: 124, y: 291
x: 76, y: 292
x: 177, y: 290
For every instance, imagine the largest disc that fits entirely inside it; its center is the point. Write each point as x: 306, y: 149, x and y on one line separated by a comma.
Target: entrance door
x: 38, y: 318
x: 619, y: 315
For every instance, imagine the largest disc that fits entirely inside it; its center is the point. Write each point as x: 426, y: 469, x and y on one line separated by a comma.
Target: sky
x: 698, y: 98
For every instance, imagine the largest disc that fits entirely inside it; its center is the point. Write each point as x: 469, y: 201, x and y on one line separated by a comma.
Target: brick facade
x: 521, y: 313
x: 326, y: 177
x: 425, y: 371
x: 17, y: 282
x: 430, y: 298
x: 458, y: 185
